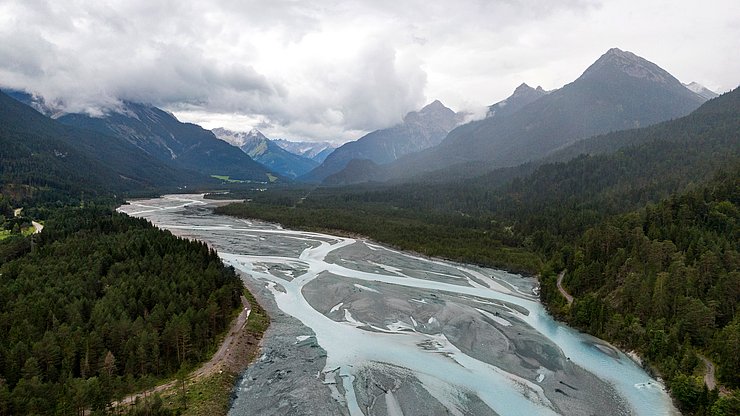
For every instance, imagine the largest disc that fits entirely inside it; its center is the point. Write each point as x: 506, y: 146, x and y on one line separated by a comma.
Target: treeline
x: 100, y: 304
x: 478, y: 240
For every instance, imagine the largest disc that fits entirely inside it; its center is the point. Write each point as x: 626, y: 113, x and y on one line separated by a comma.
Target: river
x: 358, y: 328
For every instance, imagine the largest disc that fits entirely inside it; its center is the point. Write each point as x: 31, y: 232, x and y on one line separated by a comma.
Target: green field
x: 228, y: 179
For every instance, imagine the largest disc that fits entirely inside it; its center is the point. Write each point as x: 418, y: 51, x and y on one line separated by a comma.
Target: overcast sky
x: 333, y: 70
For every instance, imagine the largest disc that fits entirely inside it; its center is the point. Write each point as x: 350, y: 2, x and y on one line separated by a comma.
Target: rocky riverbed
x: 358, y: 328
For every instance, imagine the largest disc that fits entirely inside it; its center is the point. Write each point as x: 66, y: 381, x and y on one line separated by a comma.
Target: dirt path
x: 563, y: 292
x: 221, y: 360
x: 709, y: 379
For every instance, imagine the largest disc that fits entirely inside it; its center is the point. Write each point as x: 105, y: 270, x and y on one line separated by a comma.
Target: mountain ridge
x: 159, y: 134
x: 266, y: 152
x: 618, y: 91
x: 419, y: 130
x: 38, y: 150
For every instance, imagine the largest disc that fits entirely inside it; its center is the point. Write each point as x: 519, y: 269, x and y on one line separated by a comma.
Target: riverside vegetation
x: 101, y: 304
x: 646, y: 226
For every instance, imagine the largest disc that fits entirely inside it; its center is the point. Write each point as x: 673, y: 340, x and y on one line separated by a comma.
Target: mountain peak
x: 238, y: 139
x: 617, y: 60
x: 256, y: 134
x: 701, y: 90
x: 435, y: 105
x: 522, y: 95
x: 523, y: 87
x: 434, y: 112
x: 617, y: 52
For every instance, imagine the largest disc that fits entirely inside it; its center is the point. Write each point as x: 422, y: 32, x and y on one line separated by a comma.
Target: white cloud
x: 336, y: 69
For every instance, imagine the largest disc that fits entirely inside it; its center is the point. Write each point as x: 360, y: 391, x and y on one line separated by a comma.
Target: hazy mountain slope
x: 701, y: 90
x: 267, y: 152
x: 619, y: 91
x: 356, y: 171
x: 709, y: 120
x: 419, y: 130
x: 39, y: 151
x: 162, y: 136
x: 523, y: 95
x: 620, y: 171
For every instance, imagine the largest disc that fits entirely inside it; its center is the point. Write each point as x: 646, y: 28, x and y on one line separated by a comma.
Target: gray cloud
x: 337, y: 69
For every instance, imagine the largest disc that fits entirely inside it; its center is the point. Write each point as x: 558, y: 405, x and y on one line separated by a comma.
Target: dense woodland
x: 645, y: 227
x: 664, y: 281
x: 100, y: 304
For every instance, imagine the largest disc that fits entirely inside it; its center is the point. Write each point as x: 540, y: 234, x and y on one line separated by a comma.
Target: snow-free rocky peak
x: 525, y: 89
x: 701, y: 90
x: 434, y: 114
x: 628, y: 63
x: 523, y: 95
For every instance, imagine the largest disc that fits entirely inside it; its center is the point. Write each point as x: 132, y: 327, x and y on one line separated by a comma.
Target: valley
x: 369, y: 208
x: 422, y: 336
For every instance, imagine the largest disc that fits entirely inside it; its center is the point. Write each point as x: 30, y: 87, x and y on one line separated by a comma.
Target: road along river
x: 358, y: 328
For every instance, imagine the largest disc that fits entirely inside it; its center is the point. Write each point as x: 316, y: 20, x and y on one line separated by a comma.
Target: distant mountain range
x: 317, y: 151
x: 147, y: 145
x: 619, y: 91
x: 701, y: 90
x: 160, y: 135
x: 267, y: 152
x: 419, y: 130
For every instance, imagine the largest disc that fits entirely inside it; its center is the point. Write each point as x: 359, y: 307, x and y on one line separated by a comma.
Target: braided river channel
x: 361, y: 329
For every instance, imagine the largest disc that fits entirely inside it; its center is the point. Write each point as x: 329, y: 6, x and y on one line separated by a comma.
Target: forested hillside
x: 664, y: 281
x: 101, y: 304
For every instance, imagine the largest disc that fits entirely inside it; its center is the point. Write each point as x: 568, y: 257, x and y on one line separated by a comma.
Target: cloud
x: 338, y: 69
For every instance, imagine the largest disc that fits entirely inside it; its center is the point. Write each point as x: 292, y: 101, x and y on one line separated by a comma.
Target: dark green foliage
x: 459, y: 238
x: 103, y: 305
x: 665, y: 282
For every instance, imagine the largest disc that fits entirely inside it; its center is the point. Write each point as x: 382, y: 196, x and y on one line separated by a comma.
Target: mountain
x: 419, y: 130
x: 357, y: 170
x: 703, y: 91
x: 267, y: 152
x: 317, y: 151
x: 619, y: 91
x: 523, y: 95
x: 161, y: 135
x: 39, y: 154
